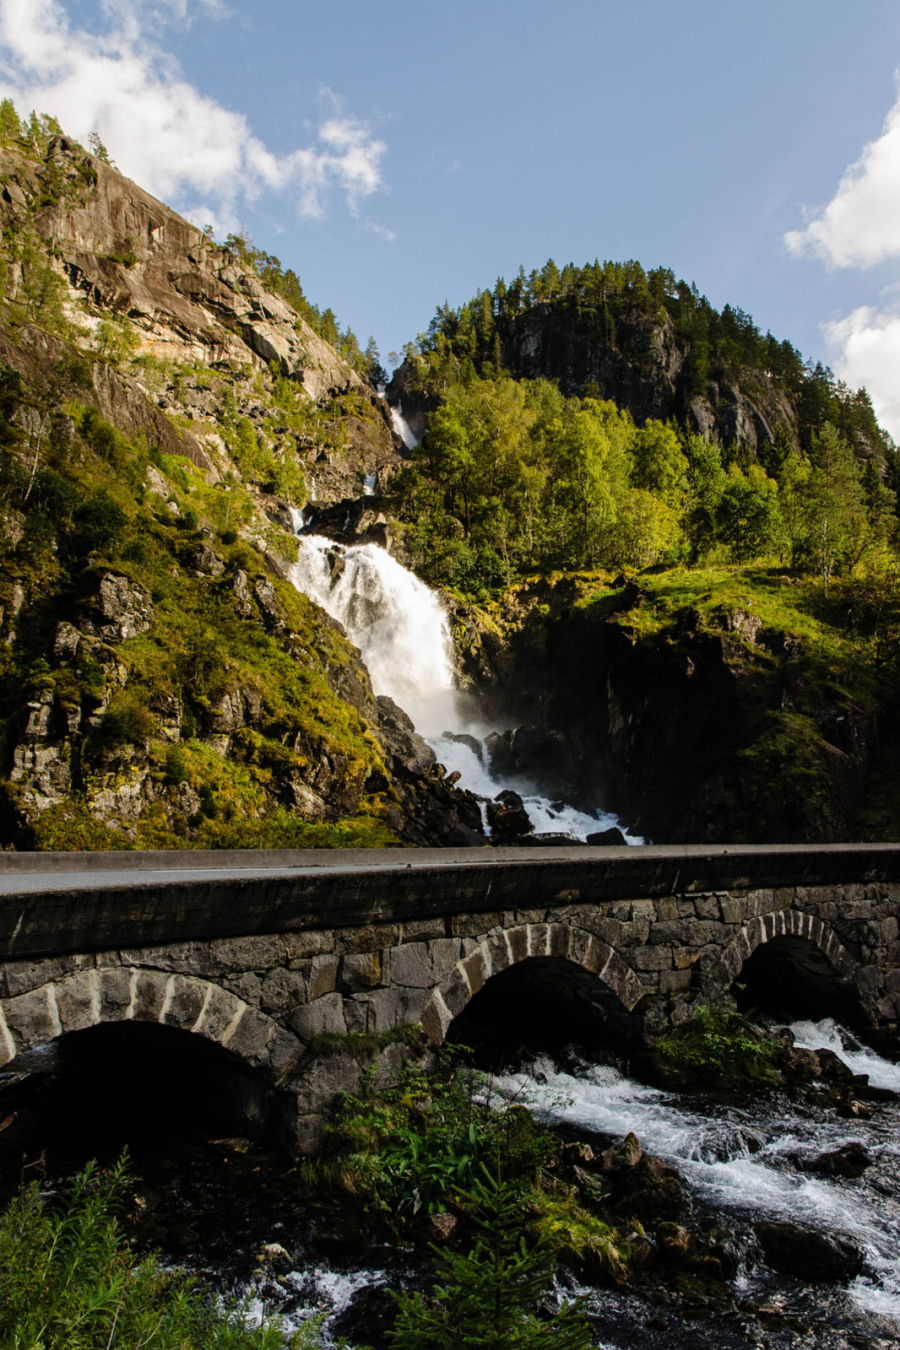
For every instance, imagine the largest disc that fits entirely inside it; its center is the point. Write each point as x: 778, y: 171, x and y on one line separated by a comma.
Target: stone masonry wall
x: 268, y: 998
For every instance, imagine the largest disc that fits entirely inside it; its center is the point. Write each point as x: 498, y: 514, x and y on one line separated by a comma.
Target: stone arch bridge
x: 271, y: 956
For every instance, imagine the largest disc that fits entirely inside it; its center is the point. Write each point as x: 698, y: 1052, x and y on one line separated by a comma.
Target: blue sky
x: 400, y: 154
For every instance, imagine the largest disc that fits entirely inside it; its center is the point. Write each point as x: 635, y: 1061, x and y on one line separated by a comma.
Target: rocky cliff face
x: 190, y: 304
x: 691, y: 723
x: 161, y: 681
x: 646, y: 373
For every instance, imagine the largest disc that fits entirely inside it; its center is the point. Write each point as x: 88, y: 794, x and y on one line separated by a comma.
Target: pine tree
x: 483, y: 1298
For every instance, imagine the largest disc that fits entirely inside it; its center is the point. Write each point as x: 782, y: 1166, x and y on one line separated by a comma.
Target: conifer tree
x: 485, y: 1298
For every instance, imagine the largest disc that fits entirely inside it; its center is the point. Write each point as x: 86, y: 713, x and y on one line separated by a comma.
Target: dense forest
x: 517, y: 475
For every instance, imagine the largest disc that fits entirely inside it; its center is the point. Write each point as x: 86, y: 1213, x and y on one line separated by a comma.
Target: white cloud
x: 162, y: 131
x: 860, y: 226
x: 866, y: 345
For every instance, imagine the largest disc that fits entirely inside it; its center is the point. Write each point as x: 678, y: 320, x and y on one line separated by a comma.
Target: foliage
x: 486, y: 1297
x: 421, y: 1146
x: 511, y: 477
x: 116, y: 341
x: 616, y: 304
x: 69, y: 1281
x: 127, y: 721
x: 721, y: 1046
x: 577, y: 1234
x: 70, y: 827
x: 287, y: 284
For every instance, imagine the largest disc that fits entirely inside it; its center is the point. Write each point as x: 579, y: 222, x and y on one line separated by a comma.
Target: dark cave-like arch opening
x: 543, y: 1003
x: 790, y: 978
x: 91, y: 1093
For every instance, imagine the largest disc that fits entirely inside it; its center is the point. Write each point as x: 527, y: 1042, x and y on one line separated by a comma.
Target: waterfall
x: 401, y: 629
x: 394, y: 619
x: 402, y: 428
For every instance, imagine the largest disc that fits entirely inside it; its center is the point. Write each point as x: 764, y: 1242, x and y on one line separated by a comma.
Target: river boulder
x: 808, y: 1253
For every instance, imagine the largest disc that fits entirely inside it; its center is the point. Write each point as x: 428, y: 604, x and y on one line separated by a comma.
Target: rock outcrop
x: 164, y: 415
x: 690, y: 728
x: 645, y: 373
x: 127, y: 257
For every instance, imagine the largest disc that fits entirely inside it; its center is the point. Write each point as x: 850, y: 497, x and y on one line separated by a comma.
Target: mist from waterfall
x: 401, y: 628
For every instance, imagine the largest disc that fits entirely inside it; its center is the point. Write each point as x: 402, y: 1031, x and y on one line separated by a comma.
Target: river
x: 740, y: 1163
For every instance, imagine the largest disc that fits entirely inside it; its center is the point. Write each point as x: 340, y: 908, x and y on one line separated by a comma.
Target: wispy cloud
x: 164, y: 132
x: 859, y: 228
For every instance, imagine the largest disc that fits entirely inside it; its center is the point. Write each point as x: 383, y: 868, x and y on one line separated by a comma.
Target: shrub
x: 487, y: 1296
x: 69, y: 1281
x: 127, y: 721
x: 719, y: 1044
x: 99, y: 523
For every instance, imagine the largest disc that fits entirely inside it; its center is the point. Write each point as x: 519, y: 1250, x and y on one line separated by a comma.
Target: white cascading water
x: 392, y: 617
x: 403, y: 634
x: 751, y: 1159
x: 402, y: 428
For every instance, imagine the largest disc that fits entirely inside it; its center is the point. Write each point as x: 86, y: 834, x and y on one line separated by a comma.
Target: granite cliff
x: 161, y: 681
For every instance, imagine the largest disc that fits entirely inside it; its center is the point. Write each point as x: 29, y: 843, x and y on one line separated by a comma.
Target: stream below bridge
x: 244, y: 1219
x: 740, y: 1164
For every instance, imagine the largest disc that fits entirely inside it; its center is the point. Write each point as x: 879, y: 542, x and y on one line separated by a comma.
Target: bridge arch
x: 502, y: 950
x: 117, y: 994
x: 781, y: 923
x: 793, y: 964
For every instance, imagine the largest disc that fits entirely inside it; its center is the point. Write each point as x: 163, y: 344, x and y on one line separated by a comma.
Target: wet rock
x: 850, y: 1160
x: 370, y: 1315
x: 799, y: 1065
x: 463, y: 836
x: 654, y: 1188
x: 850, y: 1109
x: 392, y: 717
x: 808, y: 1253
x: 834, y: 1070
x: 606, y: 838
x: 578, y: 1153
x: 673, y: 1240
x: 441, y: 1226
x: 461, y: 738
x: 627, y: 1153
x: 509, y: 824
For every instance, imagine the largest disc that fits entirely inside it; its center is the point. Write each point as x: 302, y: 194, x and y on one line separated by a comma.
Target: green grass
x: 70, y: 1281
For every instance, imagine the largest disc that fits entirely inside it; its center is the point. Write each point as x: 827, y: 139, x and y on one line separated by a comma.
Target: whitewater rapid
x: 404, y: 635
x: 751, y: 1160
